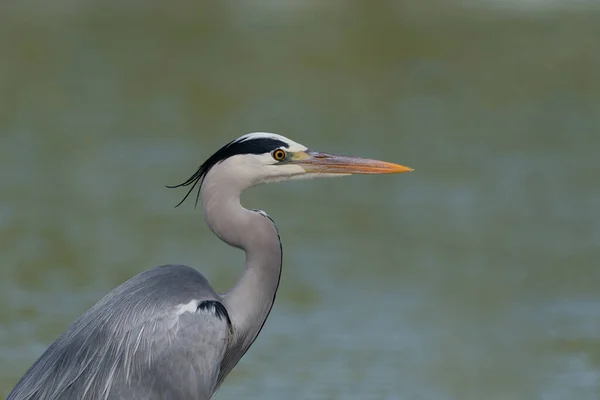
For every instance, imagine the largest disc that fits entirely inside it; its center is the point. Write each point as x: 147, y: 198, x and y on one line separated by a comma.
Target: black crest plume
x: 259, y: 145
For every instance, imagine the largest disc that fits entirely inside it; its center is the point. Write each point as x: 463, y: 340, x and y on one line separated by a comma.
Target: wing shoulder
x: 162, y: 334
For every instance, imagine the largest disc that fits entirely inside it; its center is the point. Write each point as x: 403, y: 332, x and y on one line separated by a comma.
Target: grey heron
x: 165, y: 333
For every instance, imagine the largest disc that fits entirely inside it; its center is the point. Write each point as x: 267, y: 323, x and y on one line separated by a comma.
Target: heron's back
x: 162, y: 334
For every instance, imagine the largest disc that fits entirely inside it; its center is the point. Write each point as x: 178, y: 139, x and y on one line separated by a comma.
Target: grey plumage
x: 137, y: 343
x: 165, y: 333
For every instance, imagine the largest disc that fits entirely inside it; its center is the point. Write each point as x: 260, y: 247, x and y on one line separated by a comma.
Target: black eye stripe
x: 252, y: 146
x: 248, y: 146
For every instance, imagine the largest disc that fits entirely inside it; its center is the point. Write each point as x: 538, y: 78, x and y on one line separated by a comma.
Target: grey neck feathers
x: 250, y: 300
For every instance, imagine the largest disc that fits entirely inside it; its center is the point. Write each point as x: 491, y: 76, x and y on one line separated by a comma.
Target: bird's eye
x: 278, y: 155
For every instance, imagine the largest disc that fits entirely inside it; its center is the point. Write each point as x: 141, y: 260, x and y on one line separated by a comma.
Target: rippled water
x: 476, y: 277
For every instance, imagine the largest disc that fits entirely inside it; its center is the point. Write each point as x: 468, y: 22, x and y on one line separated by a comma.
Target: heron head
x: 262, y: 157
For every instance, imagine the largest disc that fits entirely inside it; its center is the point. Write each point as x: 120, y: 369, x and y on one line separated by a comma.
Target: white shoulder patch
x: 190, y: 307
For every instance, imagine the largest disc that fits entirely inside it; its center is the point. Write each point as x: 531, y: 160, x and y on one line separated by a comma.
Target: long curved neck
x: 250, y: 301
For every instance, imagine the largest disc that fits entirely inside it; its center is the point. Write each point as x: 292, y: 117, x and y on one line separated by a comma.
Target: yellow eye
x: 278, y: 155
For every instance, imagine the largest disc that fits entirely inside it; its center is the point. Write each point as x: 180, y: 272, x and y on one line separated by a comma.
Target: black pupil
x: 279, y: 154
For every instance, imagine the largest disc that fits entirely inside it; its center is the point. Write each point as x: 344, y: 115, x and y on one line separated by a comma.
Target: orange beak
x: 316, y: 162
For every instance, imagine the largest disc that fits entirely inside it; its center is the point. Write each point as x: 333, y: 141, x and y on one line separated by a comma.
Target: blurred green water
x: 476, y: 277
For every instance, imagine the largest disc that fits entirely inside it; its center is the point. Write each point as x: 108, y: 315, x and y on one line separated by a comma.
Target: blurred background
x: 475, y: 277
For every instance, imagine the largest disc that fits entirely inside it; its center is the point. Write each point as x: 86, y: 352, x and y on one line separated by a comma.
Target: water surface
x: 476, y: 277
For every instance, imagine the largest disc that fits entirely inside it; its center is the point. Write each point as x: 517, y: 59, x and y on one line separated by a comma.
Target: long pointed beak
x: 316, y: 162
